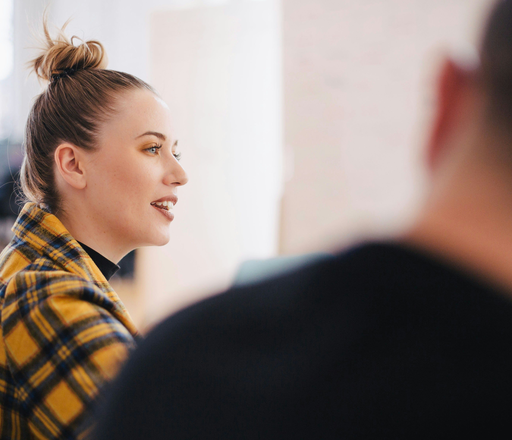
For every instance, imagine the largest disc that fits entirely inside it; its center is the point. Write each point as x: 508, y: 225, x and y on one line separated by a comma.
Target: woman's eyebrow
x: 153, y: 133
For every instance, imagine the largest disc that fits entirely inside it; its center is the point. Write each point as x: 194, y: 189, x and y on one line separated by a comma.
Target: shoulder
x: 281, y: 307
x: 43, y: 289
x: 376, y: 285
x: 370, y: 331
x: 271, y: 298
x: 44, y: 307
x: 361, y: 272
x: 42, y: 279
x: 58, y: 326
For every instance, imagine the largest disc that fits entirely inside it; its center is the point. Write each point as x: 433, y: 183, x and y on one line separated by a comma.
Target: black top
x: 379, y: 342
x: 107, y: 267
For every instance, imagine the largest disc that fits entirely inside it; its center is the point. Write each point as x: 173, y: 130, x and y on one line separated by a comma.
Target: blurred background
x: 301, y: 123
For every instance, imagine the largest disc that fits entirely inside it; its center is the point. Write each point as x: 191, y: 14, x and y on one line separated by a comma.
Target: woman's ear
x: 69, y: 165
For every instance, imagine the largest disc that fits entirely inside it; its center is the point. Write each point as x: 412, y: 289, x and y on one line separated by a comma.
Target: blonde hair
x: 61, y: 53
x: 79, y: 97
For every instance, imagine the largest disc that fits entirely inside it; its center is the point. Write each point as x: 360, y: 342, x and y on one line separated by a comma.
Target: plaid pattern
x: 64, y: 331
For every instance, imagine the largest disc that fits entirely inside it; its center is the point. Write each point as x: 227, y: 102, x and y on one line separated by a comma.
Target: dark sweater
x: 107, y: 267
x: 379, y: 342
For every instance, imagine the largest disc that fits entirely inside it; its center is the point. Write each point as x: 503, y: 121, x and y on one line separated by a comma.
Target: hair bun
x: 60, y: 53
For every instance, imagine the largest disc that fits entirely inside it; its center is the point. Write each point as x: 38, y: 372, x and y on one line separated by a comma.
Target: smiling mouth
x: 166, y: 206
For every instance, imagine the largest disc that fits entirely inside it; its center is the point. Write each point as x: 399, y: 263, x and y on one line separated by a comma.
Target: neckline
x: 107, y: 267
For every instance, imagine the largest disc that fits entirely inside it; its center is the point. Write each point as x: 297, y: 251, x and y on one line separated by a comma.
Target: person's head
x: 467, y: 217
x: 99, y: 149
x: 475, y: 96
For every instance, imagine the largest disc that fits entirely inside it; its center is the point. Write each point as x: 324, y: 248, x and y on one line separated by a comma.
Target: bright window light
x: 6, y: 40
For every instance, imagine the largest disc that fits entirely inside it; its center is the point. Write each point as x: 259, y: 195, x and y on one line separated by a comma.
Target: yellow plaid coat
x: 64, y: 331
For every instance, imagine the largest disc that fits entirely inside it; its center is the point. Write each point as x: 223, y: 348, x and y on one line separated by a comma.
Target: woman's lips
x: 167, y: 214
x: 166, y: 204
x: 173, y: 198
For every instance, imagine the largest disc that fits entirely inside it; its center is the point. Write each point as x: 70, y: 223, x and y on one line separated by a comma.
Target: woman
x: 100, y: 175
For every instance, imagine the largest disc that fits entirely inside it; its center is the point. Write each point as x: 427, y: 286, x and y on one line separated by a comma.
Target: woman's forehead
x: 139, y: 112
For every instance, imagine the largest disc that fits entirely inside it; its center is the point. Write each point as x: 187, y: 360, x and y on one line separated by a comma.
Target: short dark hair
x: 496, y: 62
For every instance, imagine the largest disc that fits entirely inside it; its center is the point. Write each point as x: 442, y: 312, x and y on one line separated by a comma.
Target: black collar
x: 107, y: 268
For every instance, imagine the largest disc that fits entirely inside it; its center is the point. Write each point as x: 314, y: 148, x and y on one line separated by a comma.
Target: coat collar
x: 45, y: 233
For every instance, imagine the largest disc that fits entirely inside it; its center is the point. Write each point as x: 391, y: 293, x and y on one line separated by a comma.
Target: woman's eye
x: 154, y: 149
x: 177, y: 156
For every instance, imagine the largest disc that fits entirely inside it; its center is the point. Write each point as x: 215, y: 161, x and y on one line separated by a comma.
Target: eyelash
x: 177, y: 156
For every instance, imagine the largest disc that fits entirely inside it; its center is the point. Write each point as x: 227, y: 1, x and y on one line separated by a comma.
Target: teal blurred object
x: 253, y: 271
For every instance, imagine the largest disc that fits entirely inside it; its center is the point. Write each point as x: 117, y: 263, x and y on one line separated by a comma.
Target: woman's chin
x: 161, y: 239
x: 152, y: 238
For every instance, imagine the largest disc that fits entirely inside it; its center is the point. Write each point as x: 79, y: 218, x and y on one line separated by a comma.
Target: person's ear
x: 451, y: 87
x: 69, y: 165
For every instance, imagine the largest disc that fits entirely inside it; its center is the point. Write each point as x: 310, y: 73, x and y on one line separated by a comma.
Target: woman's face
x: 133, y: 171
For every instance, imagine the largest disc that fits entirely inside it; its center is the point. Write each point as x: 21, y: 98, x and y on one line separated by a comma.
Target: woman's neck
x: 85, y: 231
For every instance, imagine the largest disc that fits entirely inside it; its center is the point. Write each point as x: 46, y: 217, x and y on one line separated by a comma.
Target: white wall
x: 218, y: 69
x: 121, y: 25
x: 356, y: 77
x: 26, y: 88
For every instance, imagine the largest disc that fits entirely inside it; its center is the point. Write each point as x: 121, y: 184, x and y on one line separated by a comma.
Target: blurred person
x: 100, y: 176
x: 410, y: 338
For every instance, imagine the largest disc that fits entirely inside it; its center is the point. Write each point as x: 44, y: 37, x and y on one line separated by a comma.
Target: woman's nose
x: 177, y: 175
